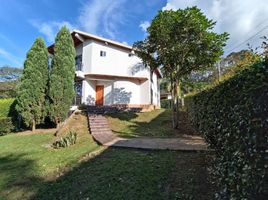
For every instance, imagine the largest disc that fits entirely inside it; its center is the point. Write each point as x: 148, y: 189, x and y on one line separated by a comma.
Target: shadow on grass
x: 17, y: 179
x: 157, y: 125
x: 132, y: 174
x: 112, y: 175
x: 124, y: 116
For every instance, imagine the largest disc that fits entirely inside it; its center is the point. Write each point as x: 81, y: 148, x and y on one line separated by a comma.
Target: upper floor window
x: 78, y: 63
x: 103, y: 53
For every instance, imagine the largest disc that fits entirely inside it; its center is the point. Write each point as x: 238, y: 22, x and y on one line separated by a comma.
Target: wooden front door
x: 99, y: 95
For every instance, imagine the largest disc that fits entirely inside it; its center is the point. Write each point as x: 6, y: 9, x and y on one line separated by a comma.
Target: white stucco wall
x: 117, y: 92
x: 155, y: 90
x: 116, y: 62
x: 145, y: 92
x: 88, y: 92
x: 87, y: 56
x: 126, y: 92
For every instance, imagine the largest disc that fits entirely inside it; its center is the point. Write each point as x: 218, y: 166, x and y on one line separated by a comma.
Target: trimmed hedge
x: 166, y: 103
x: 8, y: 116
x: 7, y: 107
x: 233, y: 117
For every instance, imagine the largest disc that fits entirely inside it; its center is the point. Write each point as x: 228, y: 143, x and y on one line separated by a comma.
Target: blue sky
x: 21, y: 21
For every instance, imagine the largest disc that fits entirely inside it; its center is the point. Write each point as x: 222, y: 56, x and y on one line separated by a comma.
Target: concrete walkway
x: 184, y: 144
x: 103, y: 135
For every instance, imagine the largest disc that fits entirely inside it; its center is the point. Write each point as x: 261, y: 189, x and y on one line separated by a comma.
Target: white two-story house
x: 109, y: 73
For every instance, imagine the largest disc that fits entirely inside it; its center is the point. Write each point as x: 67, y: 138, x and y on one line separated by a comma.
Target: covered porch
x: 109, y: 90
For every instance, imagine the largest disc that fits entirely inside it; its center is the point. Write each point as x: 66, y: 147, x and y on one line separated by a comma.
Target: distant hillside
x: 8, y: 89
x: 9, y: 73
x: 8, y: 81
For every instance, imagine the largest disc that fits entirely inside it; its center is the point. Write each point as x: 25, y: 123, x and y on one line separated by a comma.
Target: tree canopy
x: 33, y: 85
x: 61, y: 85
x: 181, y: 41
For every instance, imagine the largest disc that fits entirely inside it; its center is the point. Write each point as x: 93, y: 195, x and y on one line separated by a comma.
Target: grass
x: 30, y: 169
x: 156, y: 123
x: 26, y: 160
x: 6, y: 107
x: 134, y: 174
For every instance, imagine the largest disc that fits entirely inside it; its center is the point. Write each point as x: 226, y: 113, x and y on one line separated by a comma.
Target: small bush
x: 233, y: 117
x: 66, y: 141
x: 6, y: 125
x: 166, y: 103
x: 82, y: 106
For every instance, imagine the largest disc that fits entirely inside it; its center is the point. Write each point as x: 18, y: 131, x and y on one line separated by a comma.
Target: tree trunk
x: 182, y: 101
x: 175, y: 105
x: 179, y: 96
x: 58, y: 125
x: 151, y: 89
x: 172, y: 101
x: 33, y: 126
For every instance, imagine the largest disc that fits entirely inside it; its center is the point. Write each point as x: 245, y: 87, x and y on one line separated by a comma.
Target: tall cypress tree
x: 33, y: 85
x: 61, y: 91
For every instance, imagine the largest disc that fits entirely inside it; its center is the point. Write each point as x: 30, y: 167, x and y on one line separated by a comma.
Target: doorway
x: 99, y: 95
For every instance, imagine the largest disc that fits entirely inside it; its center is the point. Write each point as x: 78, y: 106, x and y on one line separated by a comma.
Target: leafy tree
x: 33, y: 85
x: 61, y: 91
x: 181, y: 41
x: 238, y: 61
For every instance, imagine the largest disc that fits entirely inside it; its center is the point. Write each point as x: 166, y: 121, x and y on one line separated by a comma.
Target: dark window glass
x: 78, y: 63
x: 103, y: 53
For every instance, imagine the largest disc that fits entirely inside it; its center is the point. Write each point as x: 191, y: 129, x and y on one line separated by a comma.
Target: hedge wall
x: 6, y: 107
x: 233, y: 117
x: 166, y: 103
x: 7, y: 116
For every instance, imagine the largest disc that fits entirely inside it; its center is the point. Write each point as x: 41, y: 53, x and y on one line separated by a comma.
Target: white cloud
x: 175, y: 4
x: 8, y: 56
x: 240, y: 18
x: 50, y: 29
x: 97, y: 17
x: 102, y: 17
x: 144, y: 25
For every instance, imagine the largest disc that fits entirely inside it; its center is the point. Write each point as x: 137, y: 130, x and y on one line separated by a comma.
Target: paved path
x: 185, y: 144
x: 103, y: 135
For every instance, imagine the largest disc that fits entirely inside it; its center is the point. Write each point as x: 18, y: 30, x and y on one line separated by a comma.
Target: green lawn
x: 119, y: 174
x: 30, y: 169
x: 26, y: 161
x: 156, y: 123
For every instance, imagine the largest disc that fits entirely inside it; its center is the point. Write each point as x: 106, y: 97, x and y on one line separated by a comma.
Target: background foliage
x: 233, y: 117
